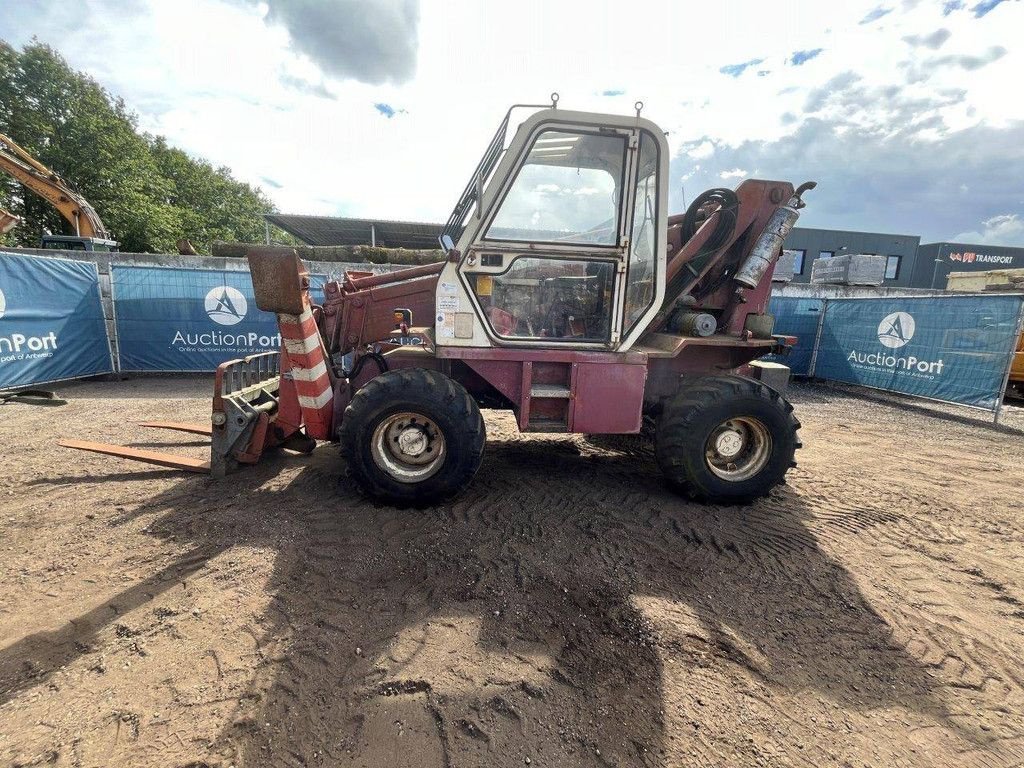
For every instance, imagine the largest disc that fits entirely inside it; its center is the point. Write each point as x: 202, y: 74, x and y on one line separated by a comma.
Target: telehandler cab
x: 568, y: 295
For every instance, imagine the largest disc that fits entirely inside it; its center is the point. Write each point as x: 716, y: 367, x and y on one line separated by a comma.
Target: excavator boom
x: 51, y: 187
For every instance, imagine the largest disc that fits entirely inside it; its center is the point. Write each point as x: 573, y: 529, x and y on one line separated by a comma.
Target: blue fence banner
x: 51, y: 321
x: 950, y: 348
x: 797, y: 317
x: 172, y: 319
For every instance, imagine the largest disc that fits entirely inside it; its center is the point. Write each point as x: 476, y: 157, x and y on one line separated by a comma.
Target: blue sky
x: 905, y: 112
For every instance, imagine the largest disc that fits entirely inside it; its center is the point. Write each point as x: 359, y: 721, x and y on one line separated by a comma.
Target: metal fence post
x: 817, y: 340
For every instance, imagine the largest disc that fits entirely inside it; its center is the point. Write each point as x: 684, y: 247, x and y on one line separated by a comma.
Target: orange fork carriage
x: 269, y: 400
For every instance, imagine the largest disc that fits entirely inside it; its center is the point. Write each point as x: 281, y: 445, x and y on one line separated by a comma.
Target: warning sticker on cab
x: 446, y: 325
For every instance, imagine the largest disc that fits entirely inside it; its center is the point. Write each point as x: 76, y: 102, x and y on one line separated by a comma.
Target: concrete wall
x: 809, y: 291
x: 333, y: 269
x: 814, y: 241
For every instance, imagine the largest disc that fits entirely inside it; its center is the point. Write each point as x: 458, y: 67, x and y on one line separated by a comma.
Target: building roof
x: 335, y: 230
x: 855, y: 232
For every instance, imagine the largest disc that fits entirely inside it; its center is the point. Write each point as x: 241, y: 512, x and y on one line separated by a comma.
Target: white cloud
x: 1005, y: 229
x: 251, y: 87
x: 702, y: 150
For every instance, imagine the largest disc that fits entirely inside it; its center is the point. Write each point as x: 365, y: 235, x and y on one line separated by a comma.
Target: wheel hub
x: 408, y: 446
x: 729, y: 443
x: 412, y: 441
x: 738, y: 449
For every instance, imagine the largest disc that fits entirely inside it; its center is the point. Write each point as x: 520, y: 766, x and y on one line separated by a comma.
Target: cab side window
x: 640, y: 274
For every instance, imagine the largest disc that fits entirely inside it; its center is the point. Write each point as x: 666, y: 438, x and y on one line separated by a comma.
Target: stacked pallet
x: 849, y: 269
x: 994, y: 280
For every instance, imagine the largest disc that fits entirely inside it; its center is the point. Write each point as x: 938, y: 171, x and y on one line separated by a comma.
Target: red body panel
x: 609, y: 398
x: 577, y: 391
x: 359, y: 311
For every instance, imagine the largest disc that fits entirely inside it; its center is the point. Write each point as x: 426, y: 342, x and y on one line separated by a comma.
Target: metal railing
x: 471, y: 194
x: 254, y: 370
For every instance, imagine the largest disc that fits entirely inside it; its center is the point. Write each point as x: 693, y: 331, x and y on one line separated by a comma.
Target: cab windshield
x: 566, y: 191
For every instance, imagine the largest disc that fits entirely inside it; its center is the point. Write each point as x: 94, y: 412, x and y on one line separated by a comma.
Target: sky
x: 906, y: 112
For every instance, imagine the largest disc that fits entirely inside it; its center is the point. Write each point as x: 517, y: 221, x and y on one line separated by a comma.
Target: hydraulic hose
x: 377, y: 357
x: 725, y: 224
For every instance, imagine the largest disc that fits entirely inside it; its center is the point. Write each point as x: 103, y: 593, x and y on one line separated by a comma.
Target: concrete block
x: 775, y: 375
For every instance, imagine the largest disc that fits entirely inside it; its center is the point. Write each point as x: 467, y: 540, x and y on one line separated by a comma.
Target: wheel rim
x: 738, y: 449
x: 408, y: 446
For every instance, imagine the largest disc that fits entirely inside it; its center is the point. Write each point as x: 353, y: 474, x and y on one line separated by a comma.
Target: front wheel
x: 412, y: 437
x: 726, y: 439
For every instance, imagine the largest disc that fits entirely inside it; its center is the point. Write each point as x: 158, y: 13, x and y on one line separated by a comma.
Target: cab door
x: 549, y: 263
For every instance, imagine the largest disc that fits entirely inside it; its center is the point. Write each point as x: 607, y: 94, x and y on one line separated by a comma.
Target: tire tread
x: 683, y: 416
x: 410, y: 386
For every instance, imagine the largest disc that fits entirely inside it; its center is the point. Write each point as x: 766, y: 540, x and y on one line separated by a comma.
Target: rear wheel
x: 412, y: 437
x: 726, y: 439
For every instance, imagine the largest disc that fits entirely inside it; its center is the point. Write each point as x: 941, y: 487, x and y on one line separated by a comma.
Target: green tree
x: 148, y: 194
x: 209, y: 204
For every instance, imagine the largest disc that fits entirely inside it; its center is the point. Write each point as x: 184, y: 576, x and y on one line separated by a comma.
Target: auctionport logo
x: 896, y: 329
x: 18, y: 346
x: 225, y: 305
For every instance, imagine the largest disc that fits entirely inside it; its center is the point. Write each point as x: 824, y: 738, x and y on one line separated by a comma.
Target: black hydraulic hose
x: 377, y: 357
x: 725, y: 224
x: 727, y: 202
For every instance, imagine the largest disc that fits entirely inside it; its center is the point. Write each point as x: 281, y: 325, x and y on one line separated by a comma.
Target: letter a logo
x: 896, y: 329
x: 226, y: 305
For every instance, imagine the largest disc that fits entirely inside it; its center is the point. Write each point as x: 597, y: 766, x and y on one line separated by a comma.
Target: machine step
x: 185, y: 463
x: 553, y: 391
x: 547, y: 425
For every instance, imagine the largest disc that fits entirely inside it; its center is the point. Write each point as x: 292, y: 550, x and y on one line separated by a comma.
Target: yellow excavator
x: 90, y: 234
x: 1016, y: 380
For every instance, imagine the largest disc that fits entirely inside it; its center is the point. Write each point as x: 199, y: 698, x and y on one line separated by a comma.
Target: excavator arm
x: 52, y: 188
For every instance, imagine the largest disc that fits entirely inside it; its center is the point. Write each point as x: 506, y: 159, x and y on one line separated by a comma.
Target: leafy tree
x: 210, y: 204
x: 148, y: 194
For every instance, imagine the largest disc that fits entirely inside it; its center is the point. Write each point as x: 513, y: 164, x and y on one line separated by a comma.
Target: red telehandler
x: 568, y: 295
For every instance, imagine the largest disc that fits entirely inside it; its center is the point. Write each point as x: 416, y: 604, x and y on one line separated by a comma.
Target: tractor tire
x: 726, y: 439
x: 412, y: 437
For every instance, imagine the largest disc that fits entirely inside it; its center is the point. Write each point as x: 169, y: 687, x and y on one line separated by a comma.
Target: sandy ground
x: 568, y: 610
